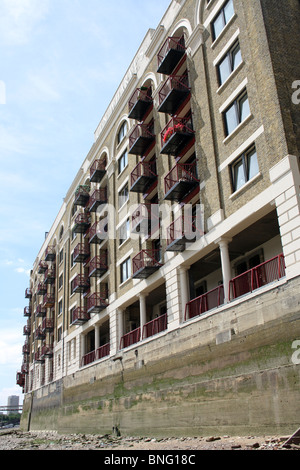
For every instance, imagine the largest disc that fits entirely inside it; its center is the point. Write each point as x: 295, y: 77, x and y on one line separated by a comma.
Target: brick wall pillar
x: 285, y: 178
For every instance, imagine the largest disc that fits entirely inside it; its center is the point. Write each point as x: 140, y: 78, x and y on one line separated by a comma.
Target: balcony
x: 50, y: 253
x: 41, y: 311
x: 80, y: 316
x: 20, y: 379
x: 204, y: 303
x: 93, y: 356
x: 173, y: 93
x: 140, y: 102
x: 27, y: 312
x: 49, y: 276
x: 47, y: 325
x: 170, y: 54
x: 155, y: 326
x: 46, y: 351
x: 130, y: 338
x: 98, y: 232
x: 81, y: 253
x: 97, y: 302
x: 97, y: 198
x: 97, y: 171
x: 80, y: 284
x: 41, y: 289
x: 82, y: 223
x: 38, y: 356
x: 141, y: 138
x: 39, y: 333
x: 43, y: 266
x: 176, y: 136
x: 27, y: 329
x: 25, y: 368
x: 180, y: 181
x: 145, y: 264
x: 145, y: 219
x: 182, y: 231
x: 26, y: 349
x: 143, y: 176
x: 98, y: 265
x: 48, y: 301
x: 259, y: 276
x: 28, y: 294
x: 82, y: 195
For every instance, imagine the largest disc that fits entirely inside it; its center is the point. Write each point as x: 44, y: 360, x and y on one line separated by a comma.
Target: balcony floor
x: 145, y: 272
x: 180, y: 190
x: 170, y: 61
x: 139, y: 110
x: 141, y: 145
x: 172, y: 101
x: 176, y: 143
x: 142, y: 184
x: 97, y: 176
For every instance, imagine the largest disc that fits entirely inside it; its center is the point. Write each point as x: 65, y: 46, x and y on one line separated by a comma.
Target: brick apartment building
x: 165, y: 298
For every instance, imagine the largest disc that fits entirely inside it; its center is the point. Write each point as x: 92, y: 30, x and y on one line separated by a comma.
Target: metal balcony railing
x: 80, y: 284
x: 259, y: 276
x: 176, y: 135
x: 98, y: 232
x: 155, y: 326
x: 82, y: 195
x: 28, y: 294
x: 99, y: 265
x: 181, y: 180
x: 143, y: 176
x: 48, y: 301
x: 145, y: 219
x: 50, y: 253
x: 183, y: 230
x: 170, y: 54
x: 98, y: 170
x: 139, y: 103
x: 43, y: 266
x: 81, y: 253
x: 93, y: 356
x: 204, y: 303
x: 82, y: 223
x: 173, y: 93
x: 130, y: 338
x: 97, y: 302
x: 97, y: 198
x: 27, y: 311
x: 141, y: 138
x: 145, y: 263
x: 47, y: 325
x: 80, y: 316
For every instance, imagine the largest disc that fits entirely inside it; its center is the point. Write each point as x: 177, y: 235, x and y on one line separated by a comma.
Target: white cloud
x: 18, y: 19
x: 11, y: 348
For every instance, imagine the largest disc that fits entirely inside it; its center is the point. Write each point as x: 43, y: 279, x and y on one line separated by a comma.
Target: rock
x: 211, y: 439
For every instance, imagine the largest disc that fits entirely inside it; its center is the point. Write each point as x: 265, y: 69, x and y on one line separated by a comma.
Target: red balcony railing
x: 145, y: 219
x: 49, y: 276
x: 81, y: 253
x: 97, y: 302
x: 176, y: 135
x: 130, y: 338
x: 93, y: 356
x: 28, y: 294
x: 98, y: 170
x: 26, y: 349
x: 27, y: 311
x: 39, y: 333
x: 80, y: 284
x: 40, y: 311
x: 47, y: 325
x: 98, y: 232
x: 183, y: 230
x: 82, y: 223
x: 204, y: 303
x: 259, y: 276
x: 27, y: 329
x: 48, y: 301
x: 43, y: 266
x: 141, y: 138
x: 38, y: 356
x: 97, y: 198
x: 50, y: 253
x: 172, y: 94
x: 145, y: 263
x: 155, y: 326
x: 99, y: 264
x: 82, y: 195
x: 80, y: 316
x: 20, y: 379
x: 41, y: 289
x: 139, y: 103
x: 170, y: 54
x: 181, y: 180
x: 143, y: 176
x: 47, y: 350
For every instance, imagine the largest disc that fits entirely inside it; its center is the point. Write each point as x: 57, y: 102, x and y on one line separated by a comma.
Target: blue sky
x: 60, y: 63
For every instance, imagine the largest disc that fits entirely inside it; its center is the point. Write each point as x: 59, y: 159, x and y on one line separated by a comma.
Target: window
x: 60, y: 307
x: 229, y: 63
x: 60, y: 281
x: 122, y: 132
x: 236, y: 113
x: 244, y: 169
x: 123, y: 195
x: 124, y: 232
x: 221, y: 20
x: 122, y: 162
x: 125, y: 270
x: 61, y: 256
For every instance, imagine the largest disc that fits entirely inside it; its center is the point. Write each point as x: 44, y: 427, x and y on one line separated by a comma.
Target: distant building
x: 148, y: 320
x: 13, y: 401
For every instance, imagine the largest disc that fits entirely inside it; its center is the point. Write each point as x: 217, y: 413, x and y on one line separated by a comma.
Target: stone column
x: 82, y: 348
x: 184, y: 289
x: 97, y: 337
x: 143, y: 311
x: 120, y: 326
x: 225, y: 263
